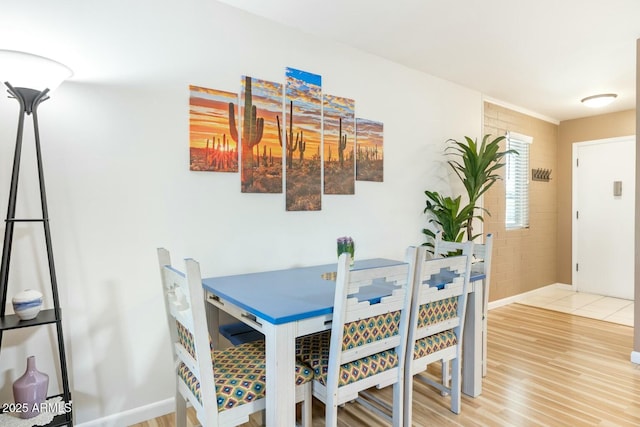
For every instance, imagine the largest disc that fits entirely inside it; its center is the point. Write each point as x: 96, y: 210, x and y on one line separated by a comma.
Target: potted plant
x: 476, y: 165
x: 445, y: 213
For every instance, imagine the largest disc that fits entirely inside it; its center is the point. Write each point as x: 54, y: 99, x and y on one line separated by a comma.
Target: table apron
x: 235, y: 311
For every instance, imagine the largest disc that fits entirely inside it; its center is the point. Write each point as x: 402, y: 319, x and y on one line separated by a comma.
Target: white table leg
x: 280, y: 358
x: 213, y: 322
x: 472, y: 346
x: 485, y: 325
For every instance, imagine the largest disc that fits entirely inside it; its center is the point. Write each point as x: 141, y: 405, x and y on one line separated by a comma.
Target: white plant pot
x: 27, y: 304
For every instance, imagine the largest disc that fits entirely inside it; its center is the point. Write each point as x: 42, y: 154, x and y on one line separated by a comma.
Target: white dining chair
x: 481, y: 262
x: 224, y: 386
x: 436, y: 325
x: 366, y: 345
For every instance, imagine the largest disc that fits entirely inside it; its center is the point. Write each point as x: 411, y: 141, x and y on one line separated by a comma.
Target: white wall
x: 119, y: 185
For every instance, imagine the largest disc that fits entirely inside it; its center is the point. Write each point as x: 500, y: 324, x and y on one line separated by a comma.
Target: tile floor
x: 581, y: 304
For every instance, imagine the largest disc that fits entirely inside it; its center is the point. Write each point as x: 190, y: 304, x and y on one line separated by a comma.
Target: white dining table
x: 286, y: 304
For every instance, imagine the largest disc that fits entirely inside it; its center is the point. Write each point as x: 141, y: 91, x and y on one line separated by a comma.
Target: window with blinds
x: 517, y: 181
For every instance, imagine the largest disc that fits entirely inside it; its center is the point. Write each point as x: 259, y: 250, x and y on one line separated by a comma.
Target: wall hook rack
x: 541, y: 174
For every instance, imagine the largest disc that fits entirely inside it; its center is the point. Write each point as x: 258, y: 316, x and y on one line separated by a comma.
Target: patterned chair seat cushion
x: 314, y: 351
x: 239, y: 375
x: 427, y: 345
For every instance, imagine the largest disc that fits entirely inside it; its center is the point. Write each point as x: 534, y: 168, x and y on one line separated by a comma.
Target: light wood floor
x: 546, y: 368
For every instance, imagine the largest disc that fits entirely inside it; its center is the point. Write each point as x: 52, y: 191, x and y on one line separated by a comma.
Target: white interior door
x: 603, y: 231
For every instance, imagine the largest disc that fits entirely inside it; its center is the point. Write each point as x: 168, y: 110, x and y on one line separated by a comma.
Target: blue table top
x: 283, y: 296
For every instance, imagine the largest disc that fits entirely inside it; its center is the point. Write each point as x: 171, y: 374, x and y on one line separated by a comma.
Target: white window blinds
x: 517, y: 181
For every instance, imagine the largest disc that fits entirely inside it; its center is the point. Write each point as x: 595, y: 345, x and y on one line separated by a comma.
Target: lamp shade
x: 25, y: 70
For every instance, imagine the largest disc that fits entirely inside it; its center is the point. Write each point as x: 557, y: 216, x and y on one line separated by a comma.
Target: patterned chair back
x: 439, y: 300
x: 225, y: 386
x: 437, y: 318
x: 184, y: 302
x: 368, y: 338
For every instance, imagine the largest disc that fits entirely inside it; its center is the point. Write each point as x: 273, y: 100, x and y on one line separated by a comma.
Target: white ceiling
x: 543, y: 56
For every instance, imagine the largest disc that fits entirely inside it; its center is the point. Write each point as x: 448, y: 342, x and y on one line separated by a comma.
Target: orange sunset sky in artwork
x: 209, y: 116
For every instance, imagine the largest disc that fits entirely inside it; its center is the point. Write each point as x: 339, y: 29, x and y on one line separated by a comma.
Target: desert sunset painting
x: 302, y: 129
x: 261, y: 154
x: 211, y: 147
x: 369, y: 153
x: 285, y: 137
x: 339, y: 135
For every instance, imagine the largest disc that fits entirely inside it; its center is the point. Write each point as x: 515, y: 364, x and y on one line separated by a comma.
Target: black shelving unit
x: 29, y: 100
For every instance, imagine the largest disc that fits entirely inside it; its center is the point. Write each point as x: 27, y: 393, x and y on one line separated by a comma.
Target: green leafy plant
x: 476, y: 165
x: 445, y: 212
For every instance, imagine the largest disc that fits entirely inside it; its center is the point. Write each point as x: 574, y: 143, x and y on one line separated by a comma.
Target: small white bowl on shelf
x: 27, y: 304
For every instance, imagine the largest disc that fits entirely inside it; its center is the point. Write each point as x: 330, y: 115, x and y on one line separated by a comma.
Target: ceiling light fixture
x: 601, y: 100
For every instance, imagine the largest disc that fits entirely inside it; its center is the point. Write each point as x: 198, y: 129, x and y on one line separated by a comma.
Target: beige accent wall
x: 579, y: 130
x: 524, y: 259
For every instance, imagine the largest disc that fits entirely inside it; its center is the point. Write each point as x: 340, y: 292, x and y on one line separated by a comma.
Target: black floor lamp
x: 30, y: 79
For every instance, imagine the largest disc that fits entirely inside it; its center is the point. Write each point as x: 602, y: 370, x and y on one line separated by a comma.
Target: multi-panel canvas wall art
x: 339, y: 142
x: 369, y: 154
x: 303, y: 136
x: 211, y: 147
x: 271, y: 129
x: 261, y: 156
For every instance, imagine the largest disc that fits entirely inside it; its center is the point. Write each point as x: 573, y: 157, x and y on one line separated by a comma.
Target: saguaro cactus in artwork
x: 342, y: 144
x: 225, y: 151
x: 290, y: 145
x: 206, y: 155
x: 233, y: 127
x: 252, y: 128
x: 302, y: 146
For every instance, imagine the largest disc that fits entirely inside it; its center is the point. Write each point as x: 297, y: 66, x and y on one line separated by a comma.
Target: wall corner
x: 636, y: 321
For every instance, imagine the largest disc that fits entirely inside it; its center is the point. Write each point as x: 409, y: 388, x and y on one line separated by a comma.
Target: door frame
x: 574, y: 195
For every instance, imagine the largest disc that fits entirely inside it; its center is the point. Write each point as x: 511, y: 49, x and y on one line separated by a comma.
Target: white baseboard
x: 516, y: 298
x: 134, y: 416
x: 635, y: 357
